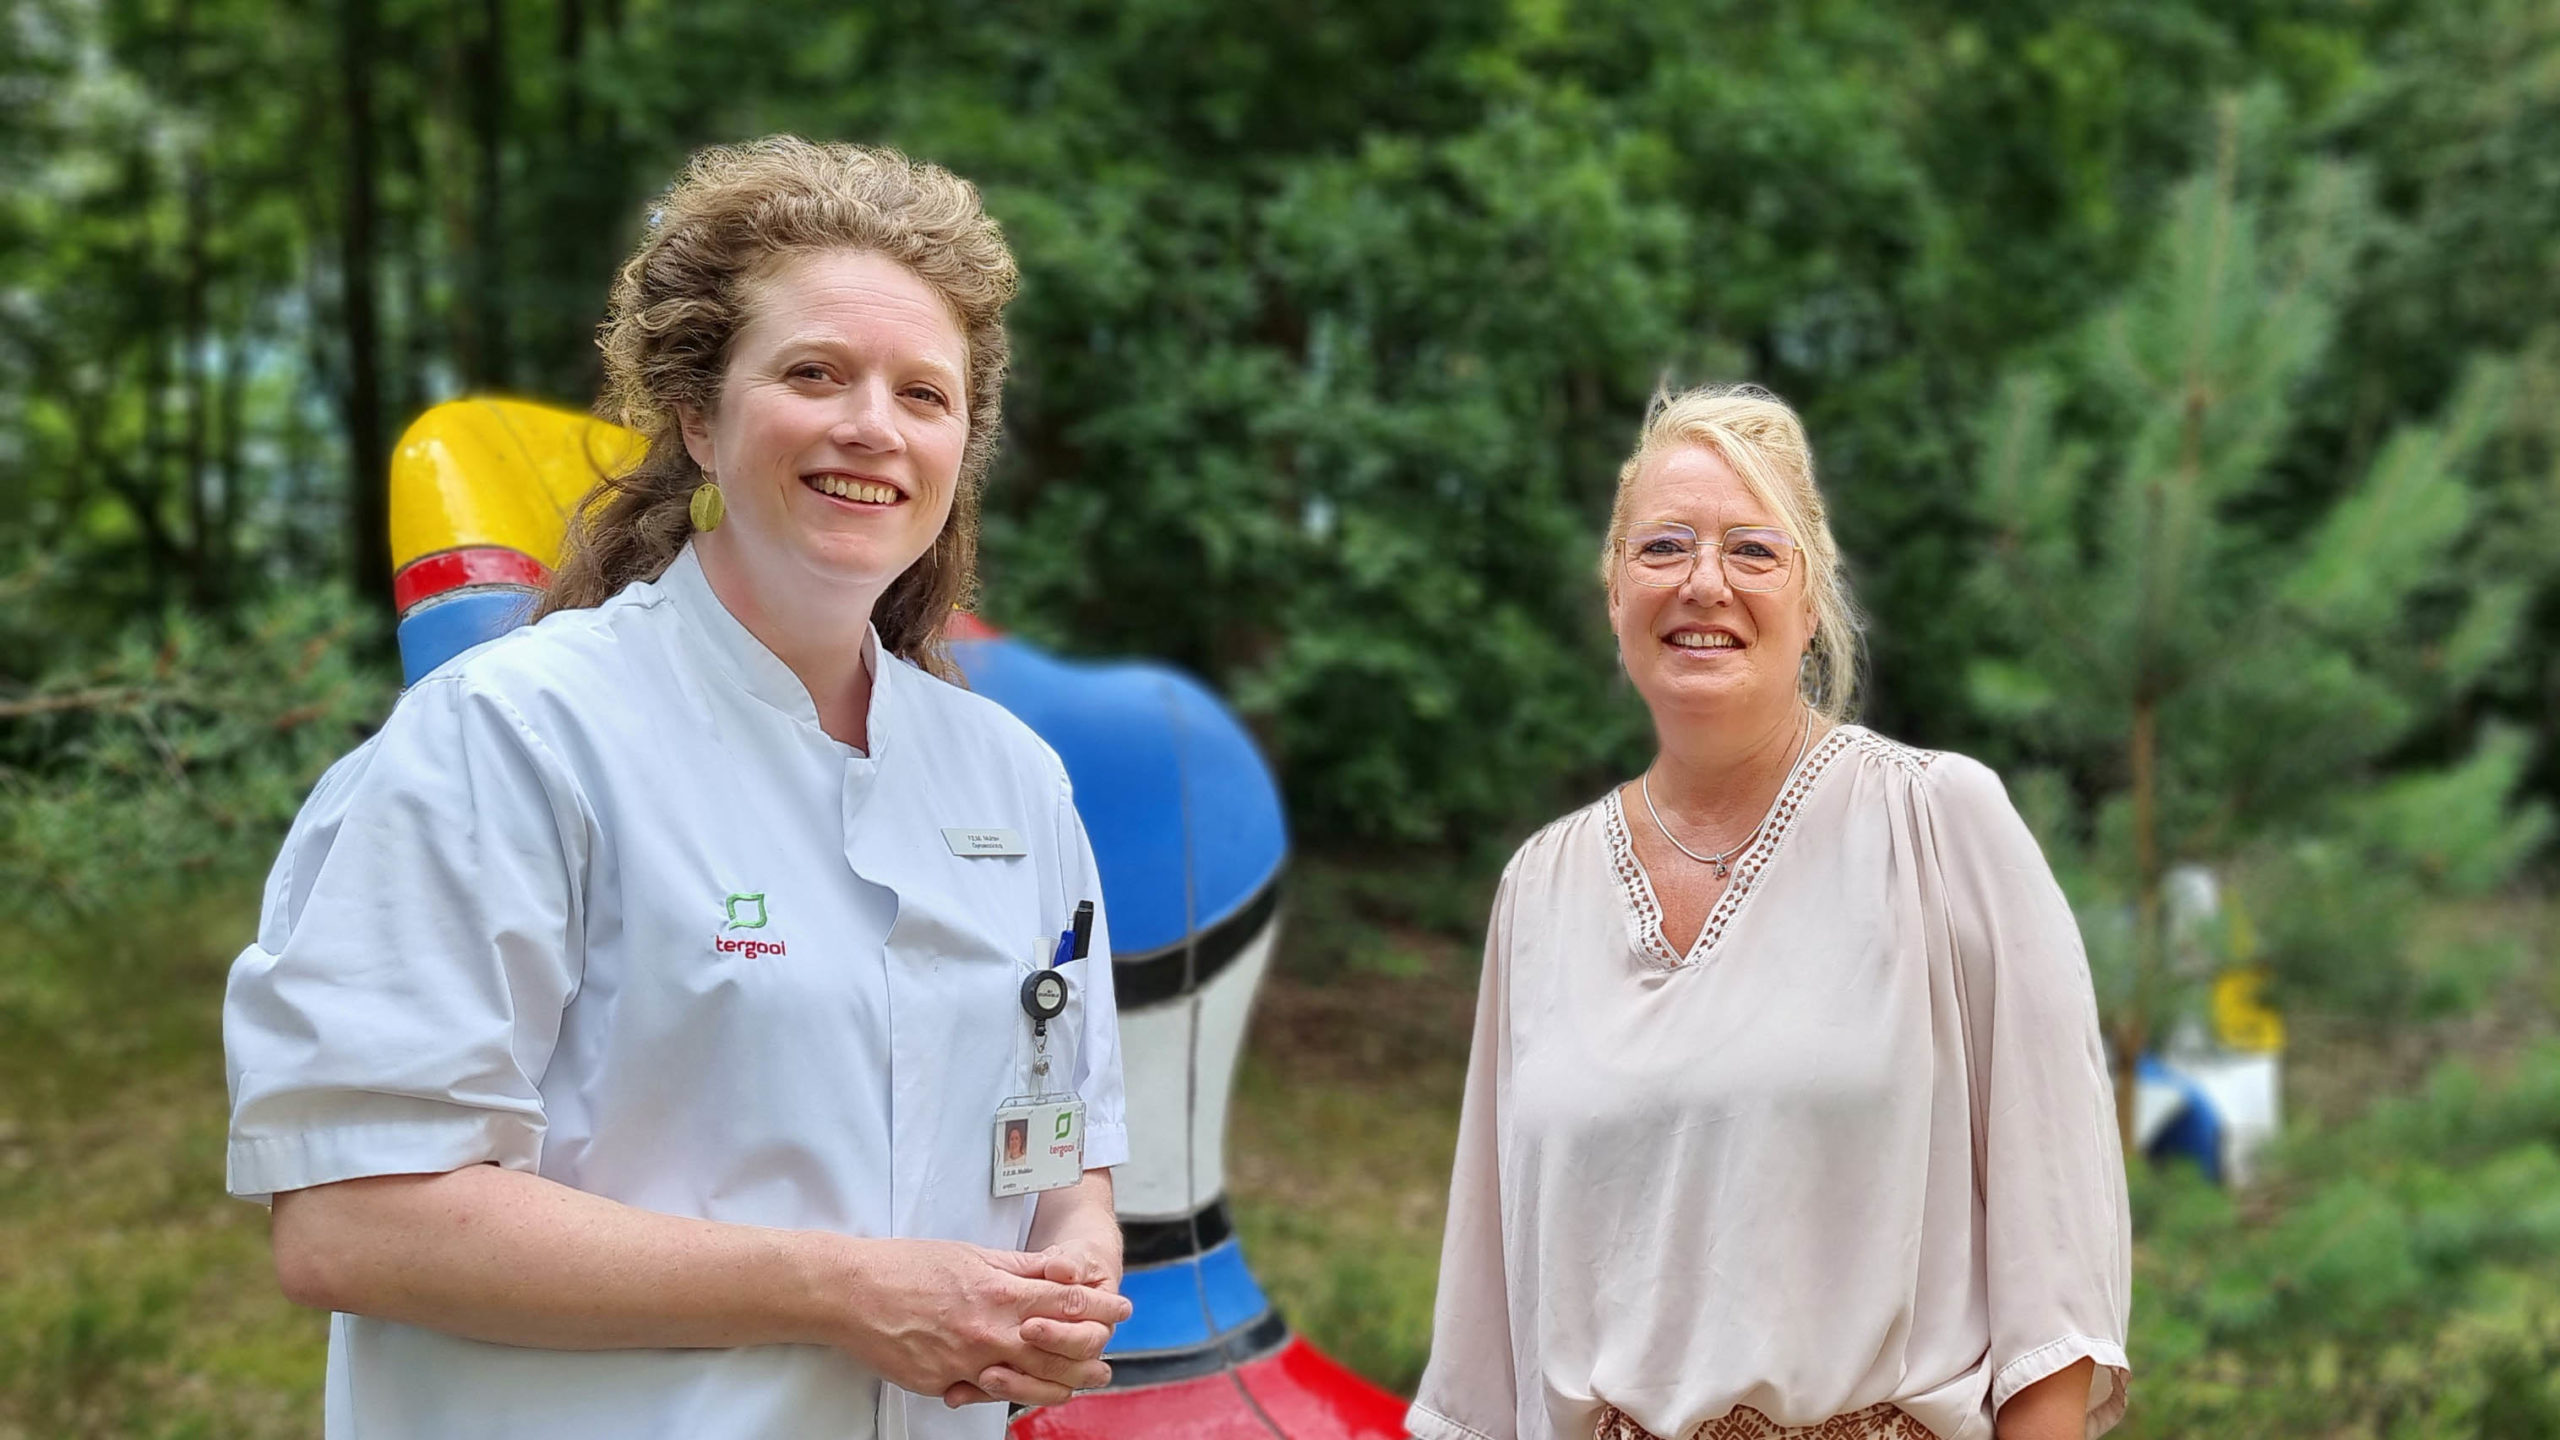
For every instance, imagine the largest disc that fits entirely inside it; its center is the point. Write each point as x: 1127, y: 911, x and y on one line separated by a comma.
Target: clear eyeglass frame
x: 1755, y: 558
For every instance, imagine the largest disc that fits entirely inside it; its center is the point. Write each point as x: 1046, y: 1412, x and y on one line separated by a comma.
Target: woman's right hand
x: 514, y: 1259
x: 937, y: 1317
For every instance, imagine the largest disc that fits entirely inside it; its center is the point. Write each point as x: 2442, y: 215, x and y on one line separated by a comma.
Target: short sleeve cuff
x: 1426, y: 1423
x: 261, y: 1166
x: 1105, y: 1146
x: 2108, y: 1383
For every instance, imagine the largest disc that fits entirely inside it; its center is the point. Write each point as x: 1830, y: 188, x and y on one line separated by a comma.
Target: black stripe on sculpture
x: 1159, y: 1242
x: 1242, y: 1345
x: 1177, y: 970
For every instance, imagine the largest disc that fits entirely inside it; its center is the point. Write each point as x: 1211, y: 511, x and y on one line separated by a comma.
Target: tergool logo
x: 746, y: 912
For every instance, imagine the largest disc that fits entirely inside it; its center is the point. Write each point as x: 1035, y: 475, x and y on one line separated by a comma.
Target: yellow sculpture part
x: 460, y: 477
x: 2242, y: 1019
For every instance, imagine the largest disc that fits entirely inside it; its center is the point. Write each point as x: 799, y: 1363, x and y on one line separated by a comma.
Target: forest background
x: 2185, y: 380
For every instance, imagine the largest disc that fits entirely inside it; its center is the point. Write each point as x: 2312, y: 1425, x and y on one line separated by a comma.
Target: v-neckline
x: 1643, y: 908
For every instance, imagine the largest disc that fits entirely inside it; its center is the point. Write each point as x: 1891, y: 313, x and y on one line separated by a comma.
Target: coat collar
x: 736, y: 653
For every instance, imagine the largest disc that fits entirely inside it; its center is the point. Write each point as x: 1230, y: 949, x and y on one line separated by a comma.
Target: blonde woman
x: 1786, y: 1114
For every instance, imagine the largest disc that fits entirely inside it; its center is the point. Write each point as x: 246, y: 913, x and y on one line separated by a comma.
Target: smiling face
x: 841, y: 421
x: 1704, y: 651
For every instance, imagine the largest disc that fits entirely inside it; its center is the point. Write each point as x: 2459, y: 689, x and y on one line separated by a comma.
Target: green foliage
x: 1338, y: 424
x: 167, y: 769
x: 1384, y: 914
x: 2220, y: 674
x: 2454, y: 127
x: 2393, y: 1275
x: 2334, y: 901
x: 162, y: 430
x: 1336, y: 319
x: 143, y: 792
x: 2455, y: 827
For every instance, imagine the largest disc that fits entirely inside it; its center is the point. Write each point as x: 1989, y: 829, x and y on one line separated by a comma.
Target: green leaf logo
x: 1066, y: 1124
x: 746, y: 912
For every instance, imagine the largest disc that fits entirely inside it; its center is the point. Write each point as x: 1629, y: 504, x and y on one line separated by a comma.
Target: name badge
x: 1039, y: 1144
x: 984, y: 842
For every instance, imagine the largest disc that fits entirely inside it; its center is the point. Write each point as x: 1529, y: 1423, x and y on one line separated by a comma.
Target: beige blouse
x: 1858, y: 1145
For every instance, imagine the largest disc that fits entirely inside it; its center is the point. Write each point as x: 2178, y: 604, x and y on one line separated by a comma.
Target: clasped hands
x: 975, y: 1325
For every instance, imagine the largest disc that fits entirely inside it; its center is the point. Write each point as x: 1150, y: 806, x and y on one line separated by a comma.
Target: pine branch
x: 71, y: 700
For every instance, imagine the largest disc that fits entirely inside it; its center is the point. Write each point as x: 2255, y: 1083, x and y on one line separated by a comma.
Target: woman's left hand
x: 1085, y: 1260
x: 1075, y: 1237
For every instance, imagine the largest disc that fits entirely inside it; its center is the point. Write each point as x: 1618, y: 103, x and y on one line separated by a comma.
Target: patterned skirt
x: 1876, y: 1422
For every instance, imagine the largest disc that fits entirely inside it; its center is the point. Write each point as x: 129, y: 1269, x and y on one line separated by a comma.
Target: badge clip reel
x: 1039, y: 1137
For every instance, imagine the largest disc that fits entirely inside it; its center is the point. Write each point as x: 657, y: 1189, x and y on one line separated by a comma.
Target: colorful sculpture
x: 1188, y: 832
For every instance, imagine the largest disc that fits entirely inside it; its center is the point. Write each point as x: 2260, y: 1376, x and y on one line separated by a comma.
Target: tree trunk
x: 368, y: 498
x: 571, y: 47
x: 145, y: 484
x: 204, y: 560
x: 230, y: 405
x: 489, y: 251
x: 133, y: 485
x: 194, y: 279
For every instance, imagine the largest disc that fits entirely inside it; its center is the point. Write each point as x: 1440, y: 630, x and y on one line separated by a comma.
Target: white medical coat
x: 603, y: 903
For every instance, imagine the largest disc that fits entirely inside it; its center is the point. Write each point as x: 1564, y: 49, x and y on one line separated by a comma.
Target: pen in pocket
x: 1076, y: 941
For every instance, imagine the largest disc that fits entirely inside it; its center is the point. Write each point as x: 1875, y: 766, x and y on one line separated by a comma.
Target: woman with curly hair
x: 632, y: 1021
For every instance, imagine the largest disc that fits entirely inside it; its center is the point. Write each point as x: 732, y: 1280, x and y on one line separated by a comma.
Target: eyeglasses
x: 1663, y: 555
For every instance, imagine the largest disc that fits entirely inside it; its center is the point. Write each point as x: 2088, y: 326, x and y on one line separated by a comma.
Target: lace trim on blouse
x: 1644, y: 910
x: 1876, y: 1422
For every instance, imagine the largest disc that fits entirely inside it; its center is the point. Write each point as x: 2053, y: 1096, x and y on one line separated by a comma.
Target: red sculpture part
x: 1294, y: 1392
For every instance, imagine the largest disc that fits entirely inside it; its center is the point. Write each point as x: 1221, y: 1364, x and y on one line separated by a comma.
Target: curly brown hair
x: 679, y: 302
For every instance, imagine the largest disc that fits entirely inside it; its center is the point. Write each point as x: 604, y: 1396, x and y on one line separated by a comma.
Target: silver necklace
x: 1719, y: 858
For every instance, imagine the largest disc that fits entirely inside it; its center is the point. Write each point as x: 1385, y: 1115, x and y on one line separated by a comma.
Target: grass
x: 138, y: 1300
x: 1338, y: 1159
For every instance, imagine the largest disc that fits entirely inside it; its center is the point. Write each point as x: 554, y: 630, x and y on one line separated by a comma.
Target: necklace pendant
x: 1722, y: 870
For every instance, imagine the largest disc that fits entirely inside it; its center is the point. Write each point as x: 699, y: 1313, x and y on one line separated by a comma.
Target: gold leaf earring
x: 707, y: 508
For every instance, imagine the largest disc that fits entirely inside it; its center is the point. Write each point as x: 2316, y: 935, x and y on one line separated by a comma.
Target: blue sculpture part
x: 1185, y: 819
x: 1192, y: 1316
x: 2195, y: 1131
x: 445, y: 626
